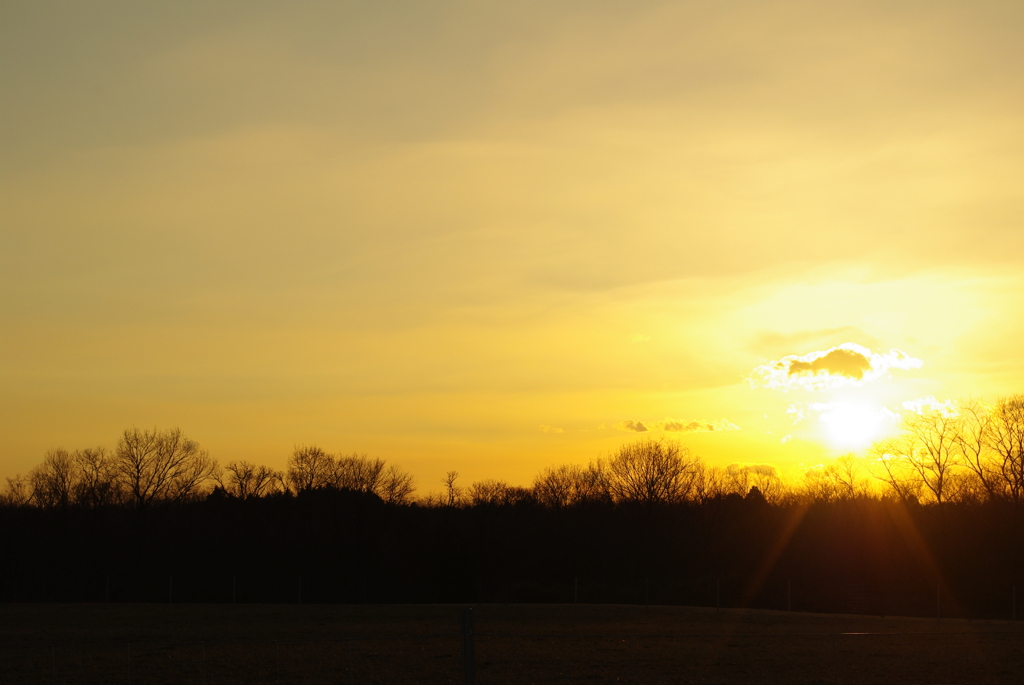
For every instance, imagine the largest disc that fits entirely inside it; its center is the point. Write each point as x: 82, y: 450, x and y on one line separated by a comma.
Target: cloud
x: 550, y: 429
x: 639, y: 338
x: 681, y: 426
x: 633, y: 426
x: 842, y: 365
x: 929, y: 404
x: 746, y: 467
x: 670, y: 425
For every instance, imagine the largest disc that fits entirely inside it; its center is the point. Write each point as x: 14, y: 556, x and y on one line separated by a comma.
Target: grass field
x: 220, y: 644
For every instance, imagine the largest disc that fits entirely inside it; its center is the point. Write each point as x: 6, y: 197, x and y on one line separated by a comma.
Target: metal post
x: 170, y: 590
x: 1013, y: 611
x: 789, y: 595
x: 234, y: 589
x: 575, y: 590
x: 468, y: 657
x: 300, y: 589
x: 646, y: 586
x: 718, y: 593
x: 938, y: 600
x: 106, y: 594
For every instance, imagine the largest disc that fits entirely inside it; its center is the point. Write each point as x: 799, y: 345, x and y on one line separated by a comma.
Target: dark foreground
x: 214, y: 644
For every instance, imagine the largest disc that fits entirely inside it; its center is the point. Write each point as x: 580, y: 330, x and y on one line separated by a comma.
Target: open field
x: 121, y: 643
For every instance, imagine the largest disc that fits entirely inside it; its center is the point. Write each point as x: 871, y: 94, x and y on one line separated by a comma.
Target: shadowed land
x: 97, y: 643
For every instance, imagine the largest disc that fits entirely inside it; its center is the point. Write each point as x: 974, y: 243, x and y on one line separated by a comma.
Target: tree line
x: 935, y: 511
x: 945, y: 452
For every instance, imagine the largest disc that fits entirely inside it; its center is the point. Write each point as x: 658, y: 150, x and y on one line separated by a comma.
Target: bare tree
x: 745, y: 479
x: 975, y: 430
x: 840, y: 479
x: 569, y: 485
x: 54, y: 480
x: 452, y: 496
x: 652, y: 471
x: 160, y: 466
x: 497, y: 492
x: 358, y: 472
x: 1006, y: 439
x: 18, y: 492
x: 310, y: 468
x: 245, y: 480
x: 893, y: 469
x: 98, y: 483
x: 932, y: 447
x: 395, y: 486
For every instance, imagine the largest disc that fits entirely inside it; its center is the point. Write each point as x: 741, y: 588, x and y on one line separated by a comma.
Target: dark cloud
x: 840, y: 362
x: 677, y: 426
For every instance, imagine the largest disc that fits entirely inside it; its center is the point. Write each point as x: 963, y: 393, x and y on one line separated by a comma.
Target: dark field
x: 121, y: 643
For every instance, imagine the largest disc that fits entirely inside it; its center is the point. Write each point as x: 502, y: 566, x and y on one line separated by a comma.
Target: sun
x: 853, y: 425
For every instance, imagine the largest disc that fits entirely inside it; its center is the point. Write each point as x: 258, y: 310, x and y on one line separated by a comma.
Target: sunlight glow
x: 854, y: 425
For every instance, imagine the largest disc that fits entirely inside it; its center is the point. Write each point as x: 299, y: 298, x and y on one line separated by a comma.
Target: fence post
x: 938, y: 600
x: 468, y: 657
x: 646, y: 587
x: 575, y: 590
x: 129, y: 646
x: 789, y: 594
x: 234, y: 589
x: 170, y: 590
x: 1013, y: 603
x: 718, y: 593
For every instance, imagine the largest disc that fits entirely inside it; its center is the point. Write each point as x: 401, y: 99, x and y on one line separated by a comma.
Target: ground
x: 214, y: 644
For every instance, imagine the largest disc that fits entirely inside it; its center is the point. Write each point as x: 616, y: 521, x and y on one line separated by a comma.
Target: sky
x: 494, y: 237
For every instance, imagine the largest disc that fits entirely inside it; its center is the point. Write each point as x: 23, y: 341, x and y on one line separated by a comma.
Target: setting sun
x: 854, y: 425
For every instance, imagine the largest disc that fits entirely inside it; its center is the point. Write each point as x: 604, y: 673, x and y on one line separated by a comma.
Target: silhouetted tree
x: 569, y: 485
x: 246, y: 480
x: 741, y: 478
x: 54, y: 480
x: 309, y: 468
x: 98, y: 484
x: 452, y: 496
x: 161, y: 466
x: 1005, y: 437
x: 497, y: 492
x: 18, y: 492
x: 651, y: 471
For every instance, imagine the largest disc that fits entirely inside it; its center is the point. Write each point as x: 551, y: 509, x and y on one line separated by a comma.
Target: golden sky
x: 493, y: 237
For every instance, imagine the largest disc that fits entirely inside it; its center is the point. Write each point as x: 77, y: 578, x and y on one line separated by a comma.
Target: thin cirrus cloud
x: 670, y: 425
x: 848, y: 364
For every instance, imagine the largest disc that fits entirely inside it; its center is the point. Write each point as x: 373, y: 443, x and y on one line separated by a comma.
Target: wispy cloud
x: 681, y: 426
x: 921, y: 405
x: 670, y: 425
x: 632, y: 426
x: 550, y: 429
